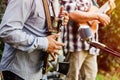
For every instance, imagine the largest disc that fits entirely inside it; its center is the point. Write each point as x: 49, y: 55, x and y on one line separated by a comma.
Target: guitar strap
x: 50, y: 29
x: 47, y: 14
x: 49, y: 24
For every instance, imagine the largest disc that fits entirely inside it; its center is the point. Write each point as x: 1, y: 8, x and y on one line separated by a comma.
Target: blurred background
x: 109, y: 65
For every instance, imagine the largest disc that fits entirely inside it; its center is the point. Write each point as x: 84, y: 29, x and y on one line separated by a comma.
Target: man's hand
x: 103, y: 19
x: 64, y: 15
x: 53, y: 45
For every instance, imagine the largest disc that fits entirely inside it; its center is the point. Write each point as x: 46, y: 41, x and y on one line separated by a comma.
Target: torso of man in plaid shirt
x: 70, y: 33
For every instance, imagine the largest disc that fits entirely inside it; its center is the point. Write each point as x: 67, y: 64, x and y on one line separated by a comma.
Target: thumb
x: 60, y: 11
x: 61, y: 8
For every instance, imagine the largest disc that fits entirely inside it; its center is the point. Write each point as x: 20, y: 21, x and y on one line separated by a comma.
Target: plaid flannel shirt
x: 70, y: 33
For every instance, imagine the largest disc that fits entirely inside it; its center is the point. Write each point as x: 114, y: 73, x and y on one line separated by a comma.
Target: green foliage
x: 107, y: 77
x: 2, y: 9
x: 100, y: 77
x: 1, y: 48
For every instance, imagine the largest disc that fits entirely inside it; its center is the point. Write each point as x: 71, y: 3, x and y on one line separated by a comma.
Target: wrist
x: 97, y: 16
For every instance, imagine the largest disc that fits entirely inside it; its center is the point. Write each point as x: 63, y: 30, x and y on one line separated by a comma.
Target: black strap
x: 7, y: 75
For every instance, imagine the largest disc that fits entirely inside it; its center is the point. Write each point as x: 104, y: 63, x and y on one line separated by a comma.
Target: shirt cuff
x: 42, y: 43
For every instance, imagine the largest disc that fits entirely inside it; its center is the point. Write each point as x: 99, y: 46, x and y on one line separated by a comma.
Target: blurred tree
x: 110, y: 35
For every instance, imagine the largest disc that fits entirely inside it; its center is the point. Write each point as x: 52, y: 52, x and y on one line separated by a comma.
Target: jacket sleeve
x: 17, y: 12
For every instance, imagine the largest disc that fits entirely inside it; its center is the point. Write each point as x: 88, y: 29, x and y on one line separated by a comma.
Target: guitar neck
x: 104, y: 8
